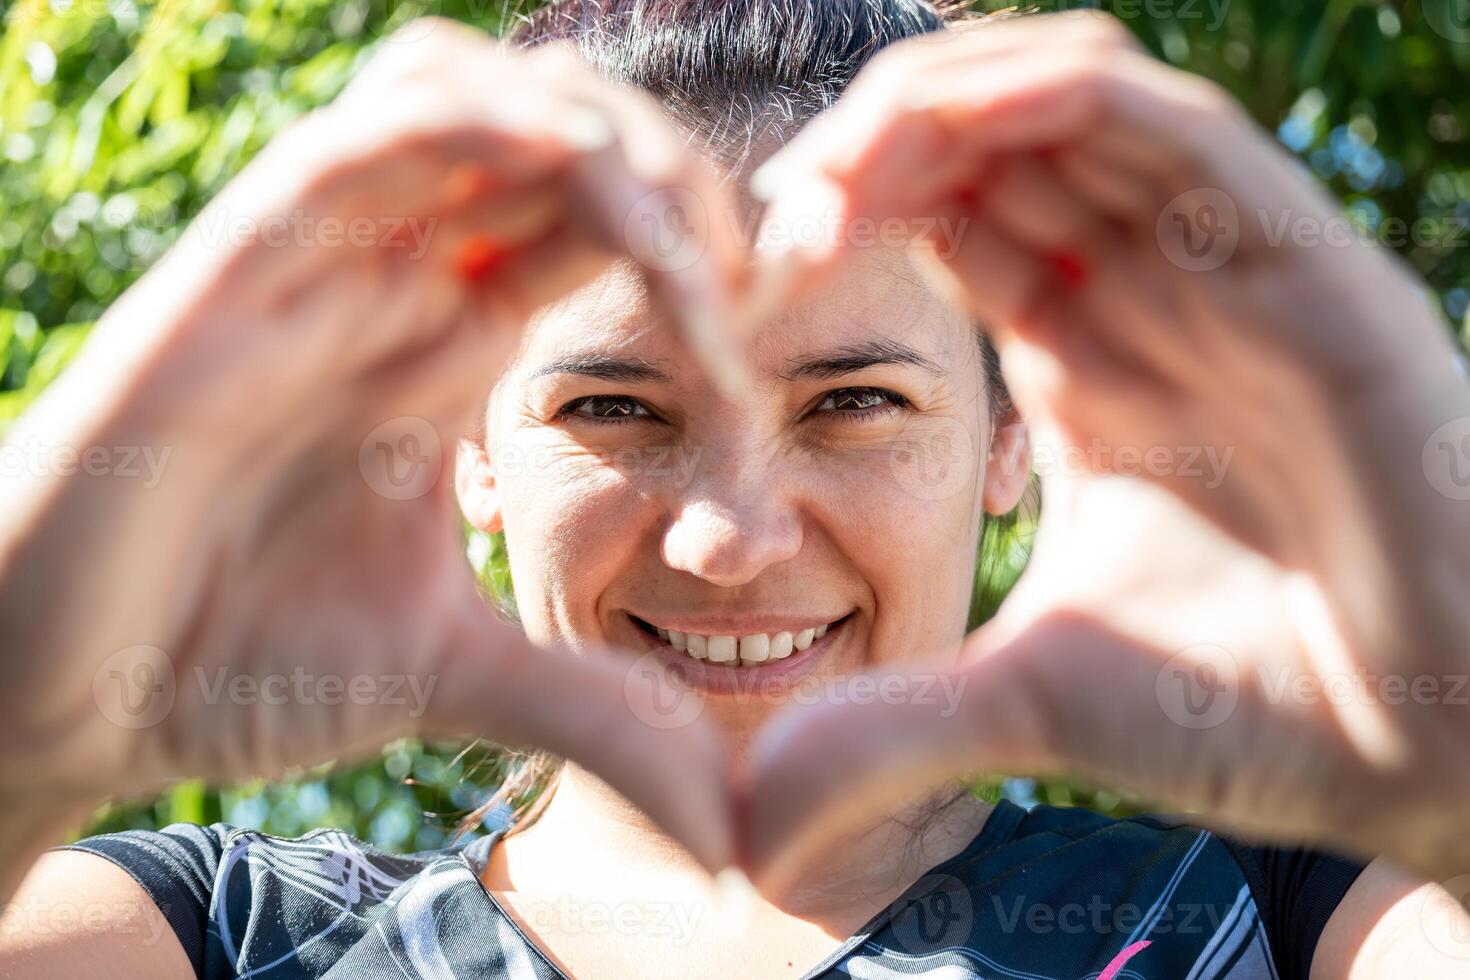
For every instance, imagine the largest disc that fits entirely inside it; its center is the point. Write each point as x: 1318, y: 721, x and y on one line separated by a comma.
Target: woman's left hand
x: 1247, y: 592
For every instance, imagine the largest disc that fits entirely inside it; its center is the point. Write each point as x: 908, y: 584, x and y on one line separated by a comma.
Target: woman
x: 730, y: 492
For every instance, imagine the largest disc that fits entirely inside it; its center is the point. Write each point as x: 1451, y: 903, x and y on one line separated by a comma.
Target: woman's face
x: 846, y: 491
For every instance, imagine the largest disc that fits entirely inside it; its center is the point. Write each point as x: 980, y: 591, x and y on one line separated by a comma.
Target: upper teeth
x: 755, y: 648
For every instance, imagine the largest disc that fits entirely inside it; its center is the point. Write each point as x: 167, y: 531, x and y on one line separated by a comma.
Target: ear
x: 1008, y: 467
x: 474, y: 484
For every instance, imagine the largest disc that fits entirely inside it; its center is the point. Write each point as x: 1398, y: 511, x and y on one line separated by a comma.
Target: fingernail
x: 1071, y: 268
x: 773, y: 278
x: 927, y: 98
x: 766, y: 181
x: 710, y: 335
x: 584, y: 130
x: 477, y: 257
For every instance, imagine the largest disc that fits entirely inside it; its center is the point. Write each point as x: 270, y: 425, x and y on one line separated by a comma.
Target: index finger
x: 651, y: 197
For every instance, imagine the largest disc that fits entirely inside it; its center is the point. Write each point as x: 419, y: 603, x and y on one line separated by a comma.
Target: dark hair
x: 733, y: 74
x: 740, y: 77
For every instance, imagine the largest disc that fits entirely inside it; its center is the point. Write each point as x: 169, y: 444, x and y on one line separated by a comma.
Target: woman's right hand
x: 287, y: 582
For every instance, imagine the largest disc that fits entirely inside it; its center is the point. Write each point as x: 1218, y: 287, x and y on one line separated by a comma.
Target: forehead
x: 880, y: 294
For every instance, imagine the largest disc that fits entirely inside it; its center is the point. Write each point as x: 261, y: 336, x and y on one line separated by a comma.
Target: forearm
x: 95, y: 536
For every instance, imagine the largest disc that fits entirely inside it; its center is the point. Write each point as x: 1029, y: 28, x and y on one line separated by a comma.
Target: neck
x: 587, y: 817
x: 616, y: 849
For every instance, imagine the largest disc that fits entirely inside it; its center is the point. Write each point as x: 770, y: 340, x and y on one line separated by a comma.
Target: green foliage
x: 119, y: 121
x: 120, y: 118
x: 411, y: 797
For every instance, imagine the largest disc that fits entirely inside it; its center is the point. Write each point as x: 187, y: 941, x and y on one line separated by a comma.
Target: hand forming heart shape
x: 1225, y: 641
x: 1086, y: 180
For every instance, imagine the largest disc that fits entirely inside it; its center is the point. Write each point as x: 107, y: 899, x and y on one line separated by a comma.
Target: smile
x: 745, y: 650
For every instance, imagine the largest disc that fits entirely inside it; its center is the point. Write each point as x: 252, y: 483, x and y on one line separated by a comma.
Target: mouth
x: 743, y: 660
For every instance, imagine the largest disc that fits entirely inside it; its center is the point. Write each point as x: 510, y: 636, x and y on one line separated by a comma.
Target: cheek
x: 907, y: 513
x: 570, y: 522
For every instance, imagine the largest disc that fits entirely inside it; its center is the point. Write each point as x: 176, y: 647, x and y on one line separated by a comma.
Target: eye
x: 859, y: 403
x: 605, y: 409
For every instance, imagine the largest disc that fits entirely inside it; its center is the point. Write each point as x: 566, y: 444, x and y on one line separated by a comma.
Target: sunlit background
x: 119, y: 120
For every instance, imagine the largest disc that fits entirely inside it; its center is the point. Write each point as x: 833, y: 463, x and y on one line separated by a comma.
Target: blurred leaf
x: 185, y: 802
x: 62, y: 344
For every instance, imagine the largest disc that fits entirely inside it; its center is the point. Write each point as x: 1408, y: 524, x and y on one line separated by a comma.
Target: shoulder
x: 1153, y: 895
x: 76, y: 915
x: 214, y: 866
x: 239, y: 899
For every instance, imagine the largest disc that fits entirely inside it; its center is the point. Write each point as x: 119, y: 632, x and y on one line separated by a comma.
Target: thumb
x: 615, y: 714
x: 1038, y: 700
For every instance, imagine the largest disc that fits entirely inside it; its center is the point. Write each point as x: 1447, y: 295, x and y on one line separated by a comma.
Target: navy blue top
x: 1038, y: 894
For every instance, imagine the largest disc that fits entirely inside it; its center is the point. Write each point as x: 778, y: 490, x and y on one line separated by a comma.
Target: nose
x: 733, y: 522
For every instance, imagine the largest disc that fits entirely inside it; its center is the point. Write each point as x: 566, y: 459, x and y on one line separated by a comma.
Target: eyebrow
x: 838, y: 361
x: 604, y: 367
x: 855, y: 357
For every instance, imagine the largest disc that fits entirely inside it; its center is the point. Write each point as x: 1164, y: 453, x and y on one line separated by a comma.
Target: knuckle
x: 433, y: 34
x: 561, y: 51
x: 1092, y: 67
x: 1217, y: 103
x: 895, y: 62
x: 426, y: 46
x: 557, y: 58
x: 1211, y: 105
x: 1098, y: 26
